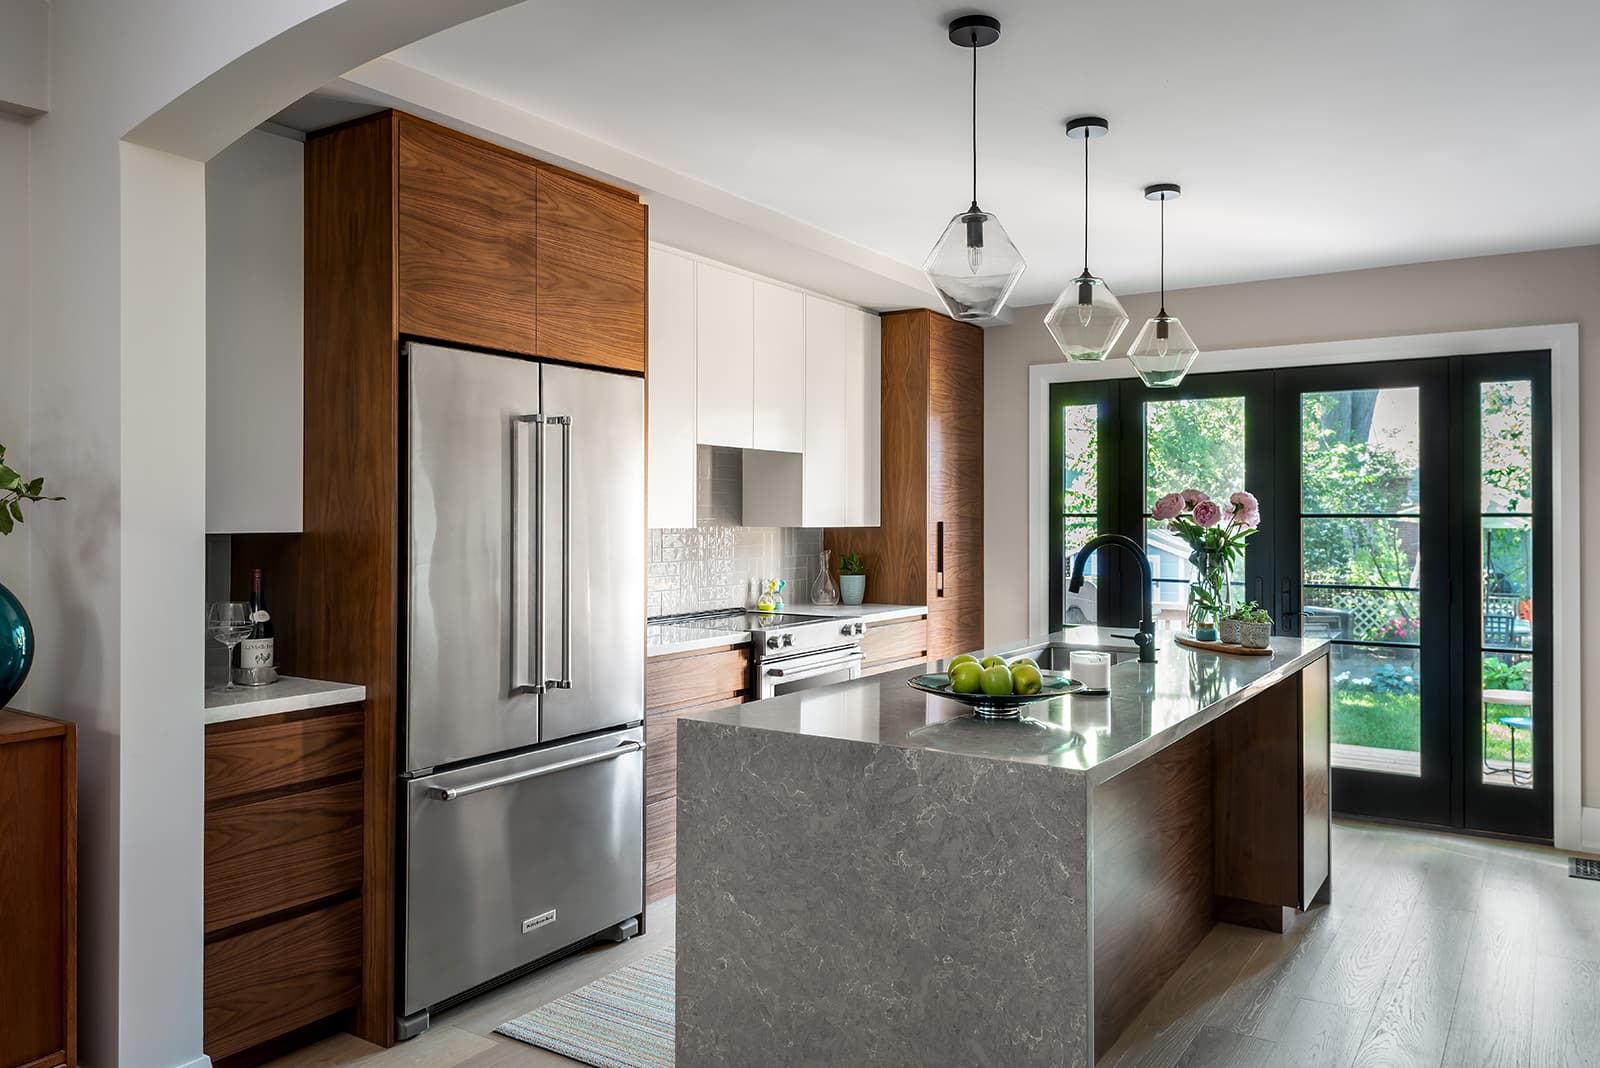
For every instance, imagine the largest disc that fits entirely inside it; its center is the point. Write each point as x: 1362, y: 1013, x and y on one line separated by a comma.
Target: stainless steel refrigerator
x: 522, y: 799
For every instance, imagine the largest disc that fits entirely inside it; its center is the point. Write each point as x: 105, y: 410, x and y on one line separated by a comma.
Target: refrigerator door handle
x: 451, y: 793
x: 527, y: 553
x: 565, y: 681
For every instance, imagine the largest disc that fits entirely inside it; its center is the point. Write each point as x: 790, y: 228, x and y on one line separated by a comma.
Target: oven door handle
x: 807, y: 670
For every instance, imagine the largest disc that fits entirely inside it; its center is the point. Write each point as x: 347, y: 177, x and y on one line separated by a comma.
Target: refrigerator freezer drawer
x: 513, y: 859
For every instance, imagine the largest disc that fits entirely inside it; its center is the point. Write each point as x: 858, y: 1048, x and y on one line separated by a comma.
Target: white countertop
x: 687, y: 638
x: 288, y: 694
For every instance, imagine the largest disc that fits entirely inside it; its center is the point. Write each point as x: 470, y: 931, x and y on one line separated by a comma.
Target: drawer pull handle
x: 451, y: 793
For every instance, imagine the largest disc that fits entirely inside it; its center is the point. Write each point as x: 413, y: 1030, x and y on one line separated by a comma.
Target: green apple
x: 1026, y: 678
x: 994, y: 661
x: 997, y: 680
x: 1024, y: 660
x: 966, y: 677
x: 964, y: 658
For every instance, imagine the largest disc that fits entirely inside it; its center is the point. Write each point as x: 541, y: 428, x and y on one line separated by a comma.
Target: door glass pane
x: 1197, y: 442
x: 1505, y: 560
x: 1361, y: 560
x: 1377, y: 709
x: 1507, y: 719
x: 1507, y: 446
x: 1360, y: 452
x: 1080, y: 507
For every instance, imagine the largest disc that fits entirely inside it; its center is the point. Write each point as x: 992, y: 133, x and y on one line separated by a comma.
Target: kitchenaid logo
x: 541, y: 920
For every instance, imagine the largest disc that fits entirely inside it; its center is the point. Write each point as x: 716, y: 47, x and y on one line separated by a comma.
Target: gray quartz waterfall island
x: 868, y: 875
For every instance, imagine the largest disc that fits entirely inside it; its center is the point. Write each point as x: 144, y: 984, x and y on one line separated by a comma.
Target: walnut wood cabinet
x: 895, y: 644
x: 928, y: 548
x: 412, y: 230
x: 283, y: 867
x: 676, y: 684
x: 38, y: 891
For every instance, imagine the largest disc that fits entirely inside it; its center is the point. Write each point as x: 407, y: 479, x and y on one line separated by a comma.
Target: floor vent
x: 1579, y: 868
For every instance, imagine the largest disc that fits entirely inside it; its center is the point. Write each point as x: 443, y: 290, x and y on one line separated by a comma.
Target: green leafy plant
x: 1499, y: 674
x: 1249, y: 612
x: 850, y: 564
x: 14, y: 489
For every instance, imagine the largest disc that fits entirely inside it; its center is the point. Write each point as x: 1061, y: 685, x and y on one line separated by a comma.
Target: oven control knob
x: 847, y: 630
x: 861, y: 628
x: 772, y: 642
x: 788, y: 640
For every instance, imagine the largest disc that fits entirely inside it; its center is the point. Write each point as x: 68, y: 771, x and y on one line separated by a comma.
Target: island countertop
x: 1150, y: 707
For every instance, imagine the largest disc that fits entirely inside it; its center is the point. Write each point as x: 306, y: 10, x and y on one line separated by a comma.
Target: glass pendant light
x: 974, y: 265
x: 1163, y: 352
x: 1086, y: 318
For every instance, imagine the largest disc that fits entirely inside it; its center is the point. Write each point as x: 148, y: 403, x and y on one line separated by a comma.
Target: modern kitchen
x: 683, y: 584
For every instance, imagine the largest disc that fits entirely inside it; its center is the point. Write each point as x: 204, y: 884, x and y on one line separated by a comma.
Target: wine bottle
x: 256, y: 651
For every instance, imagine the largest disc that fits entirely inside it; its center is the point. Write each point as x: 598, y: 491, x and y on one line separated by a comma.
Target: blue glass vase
x: 16, y: 645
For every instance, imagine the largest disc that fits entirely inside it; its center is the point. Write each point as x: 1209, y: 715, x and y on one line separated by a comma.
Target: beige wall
x: 1559, y: 286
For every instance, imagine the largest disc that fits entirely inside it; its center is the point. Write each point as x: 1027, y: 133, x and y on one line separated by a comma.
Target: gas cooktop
x: 736, y: 620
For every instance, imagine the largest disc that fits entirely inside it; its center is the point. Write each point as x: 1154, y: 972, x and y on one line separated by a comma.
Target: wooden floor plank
x: 1410, y: 1024
x: 1492, y: 1023
x: 1215, y: 1048
x: 1566, y: 1013
x: 1319, y: 1035
x: 1264, y: 996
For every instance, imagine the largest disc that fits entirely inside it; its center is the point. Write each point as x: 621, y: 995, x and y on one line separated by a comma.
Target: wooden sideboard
x: 38, y: 891
x: 283, y: 870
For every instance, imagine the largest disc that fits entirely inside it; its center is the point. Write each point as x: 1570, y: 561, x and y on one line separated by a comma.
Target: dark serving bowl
x: 988, y: 707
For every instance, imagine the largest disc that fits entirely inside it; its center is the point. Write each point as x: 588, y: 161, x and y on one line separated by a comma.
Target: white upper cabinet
x: 673, y: 355
x: 725, y: 304
x: 780, y: 369
x: 863, y: 408
x: 824, y: 494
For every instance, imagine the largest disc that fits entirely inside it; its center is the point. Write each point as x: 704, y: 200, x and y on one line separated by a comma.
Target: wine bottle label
x: 255, y: 653
x: 260, y: 615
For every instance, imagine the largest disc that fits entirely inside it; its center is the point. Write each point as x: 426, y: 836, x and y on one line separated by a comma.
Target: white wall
x: 255, y: 270
x: 14, y: 339
x: 1560, y: 286
x: 24, y: 52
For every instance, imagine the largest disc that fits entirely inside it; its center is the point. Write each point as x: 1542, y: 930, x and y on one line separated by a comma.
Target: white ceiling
x: 1308, y: 136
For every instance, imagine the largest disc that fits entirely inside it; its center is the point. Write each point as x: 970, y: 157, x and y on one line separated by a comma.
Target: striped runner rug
x: 624, y: 1020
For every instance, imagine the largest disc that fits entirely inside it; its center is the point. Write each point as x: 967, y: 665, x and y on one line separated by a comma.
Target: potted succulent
x: 1255, y: 627
x: 1228, y: 626
x: 16, y: 650
x: 852, y: 579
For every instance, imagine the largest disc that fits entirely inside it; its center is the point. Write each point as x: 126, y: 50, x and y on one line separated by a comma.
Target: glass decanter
x: 825, y: 588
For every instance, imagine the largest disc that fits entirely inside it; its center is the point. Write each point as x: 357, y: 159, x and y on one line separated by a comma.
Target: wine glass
x: 230, y: 623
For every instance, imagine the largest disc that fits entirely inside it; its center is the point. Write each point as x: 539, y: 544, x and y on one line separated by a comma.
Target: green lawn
x: 1362, y: 716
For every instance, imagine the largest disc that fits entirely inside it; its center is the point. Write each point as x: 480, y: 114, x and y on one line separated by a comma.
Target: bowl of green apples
x: 994, y: 687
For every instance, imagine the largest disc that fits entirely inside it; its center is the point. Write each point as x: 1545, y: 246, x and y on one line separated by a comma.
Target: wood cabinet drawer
x: 468, y: 238
x: 274, y: 979
x: 591, y: 272
x: 888, y: 642
x: 281, y: 852
x: 660, y: 849
x: 249, y: 757
x: 695, y: 678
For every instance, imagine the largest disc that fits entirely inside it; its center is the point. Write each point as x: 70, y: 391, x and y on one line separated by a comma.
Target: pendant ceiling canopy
x: 1086, y: 318
x: 1163, y: 352
x: 974, y: 265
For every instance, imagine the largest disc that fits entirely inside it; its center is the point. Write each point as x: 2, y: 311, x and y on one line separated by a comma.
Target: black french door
x: 1405, y: 520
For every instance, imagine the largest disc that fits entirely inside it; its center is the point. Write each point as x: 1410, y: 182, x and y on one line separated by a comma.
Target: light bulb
x: 1161, y: 346
x: 1085, y: 313
x: 974, y: 258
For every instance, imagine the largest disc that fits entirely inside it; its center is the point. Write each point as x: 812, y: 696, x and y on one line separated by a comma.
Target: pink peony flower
x: 1208, y: 513
x: 1168, y: 507
x: 1244, y: 501
x: 1192, y: 497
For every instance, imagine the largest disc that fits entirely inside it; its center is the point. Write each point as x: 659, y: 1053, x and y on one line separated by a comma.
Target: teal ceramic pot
x: 16, y: 645
x: 852, y: 588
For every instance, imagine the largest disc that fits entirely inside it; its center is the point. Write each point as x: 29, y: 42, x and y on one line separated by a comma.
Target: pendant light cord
x: 974, y: 122
x: 1163, y: 254
x: 1087, y: 138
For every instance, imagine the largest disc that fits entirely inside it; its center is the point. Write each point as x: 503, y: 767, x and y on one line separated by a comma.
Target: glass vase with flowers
x: 1216, y: 533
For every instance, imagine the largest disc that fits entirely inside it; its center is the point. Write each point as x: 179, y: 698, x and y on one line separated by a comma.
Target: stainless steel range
x: 789, y: 650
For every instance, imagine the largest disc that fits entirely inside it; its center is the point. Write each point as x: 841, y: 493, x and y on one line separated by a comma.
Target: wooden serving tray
x: 1218, y: 647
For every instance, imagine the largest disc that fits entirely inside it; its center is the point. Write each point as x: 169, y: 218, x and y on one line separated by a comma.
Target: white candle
x: 1091, y: 668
